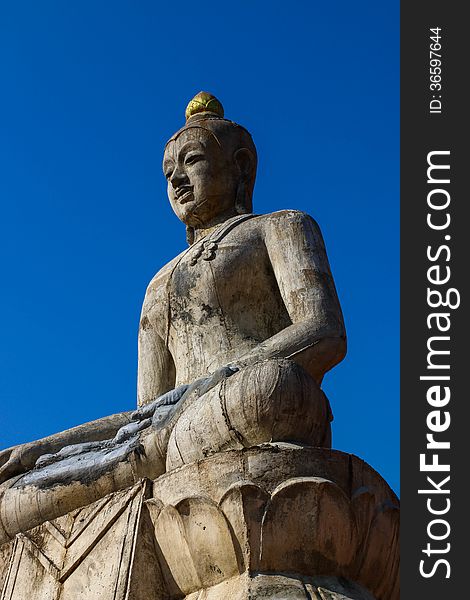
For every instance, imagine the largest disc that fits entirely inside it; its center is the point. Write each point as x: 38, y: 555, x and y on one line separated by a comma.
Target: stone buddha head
x: 210, y: 167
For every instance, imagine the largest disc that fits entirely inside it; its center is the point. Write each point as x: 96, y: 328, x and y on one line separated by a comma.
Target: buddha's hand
x: 164, y: 407
x: 161, y: 406
x: 204, y: 385
x: 18, y: 459
x: 201, y: 386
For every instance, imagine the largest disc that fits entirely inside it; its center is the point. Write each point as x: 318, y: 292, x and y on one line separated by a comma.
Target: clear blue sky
x: 91, y: 91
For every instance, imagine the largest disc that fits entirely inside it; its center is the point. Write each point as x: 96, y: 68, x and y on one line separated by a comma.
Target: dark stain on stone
x: 145, y: 323
x: 183, y: 315
x: 183, y: 279
x: 208, y: 310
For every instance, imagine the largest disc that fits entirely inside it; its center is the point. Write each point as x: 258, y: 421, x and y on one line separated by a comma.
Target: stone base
x: 276, y: 521
x: 259, y: 586
x: 100, y: 552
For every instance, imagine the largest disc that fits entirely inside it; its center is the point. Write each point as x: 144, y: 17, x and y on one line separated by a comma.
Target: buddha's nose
x: 178, y: 177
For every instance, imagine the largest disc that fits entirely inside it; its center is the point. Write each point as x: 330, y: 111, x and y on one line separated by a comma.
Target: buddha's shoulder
x: 285, y: 218
x: 160, y: 279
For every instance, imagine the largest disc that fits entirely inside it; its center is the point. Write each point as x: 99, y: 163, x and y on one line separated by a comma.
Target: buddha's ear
x: 190, y: 235
x: 246, y: 162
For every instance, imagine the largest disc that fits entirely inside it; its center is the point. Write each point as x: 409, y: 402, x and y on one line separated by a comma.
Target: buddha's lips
x: 184, y: 194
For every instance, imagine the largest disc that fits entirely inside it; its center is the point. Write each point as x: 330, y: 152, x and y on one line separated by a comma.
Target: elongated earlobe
x: 190, y: 235
x: 242, y: 201
x: 246, y: 164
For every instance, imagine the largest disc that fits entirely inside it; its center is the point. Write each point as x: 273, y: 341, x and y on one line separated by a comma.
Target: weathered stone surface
x: 224, y: 525
x: 320, y: 528
x: 235, y: 337
x: 220, y: 528
x: 252, y: 293
x: 195, y: 541
x: 105, y: 551
x: 28, y: 501
x: 5, y: 554
x: 276, y: 509
x: 272, y: 400
x: 282, y: 587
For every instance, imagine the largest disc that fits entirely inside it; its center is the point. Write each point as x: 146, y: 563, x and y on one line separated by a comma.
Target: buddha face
x: 202, y: 178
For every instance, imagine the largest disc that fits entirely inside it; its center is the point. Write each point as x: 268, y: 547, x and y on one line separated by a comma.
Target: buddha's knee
x: 271, y: 401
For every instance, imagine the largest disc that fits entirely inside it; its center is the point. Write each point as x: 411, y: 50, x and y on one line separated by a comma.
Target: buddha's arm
x: 19, y: 459
x: 156, y: 370
x: 317, y: 338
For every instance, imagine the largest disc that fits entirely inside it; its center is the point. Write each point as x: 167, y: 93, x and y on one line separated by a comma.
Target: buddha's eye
x: 192, y: 158
x: 168, y: 170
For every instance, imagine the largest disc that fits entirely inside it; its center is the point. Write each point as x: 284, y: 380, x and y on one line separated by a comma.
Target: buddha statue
x: 236, y: 335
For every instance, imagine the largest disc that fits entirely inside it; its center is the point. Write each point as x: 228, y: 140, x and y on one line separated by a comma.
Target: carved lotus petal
x: 380, y: 557
x: 364, y: 503
x: 196, y: 545
x: 243, y: 505
x: 308, y: 527
x: 279, y: 518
